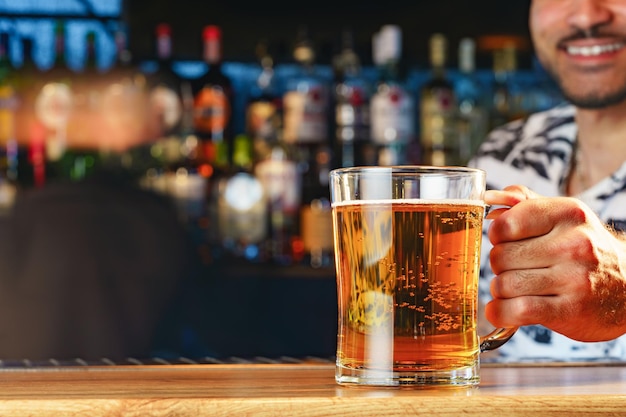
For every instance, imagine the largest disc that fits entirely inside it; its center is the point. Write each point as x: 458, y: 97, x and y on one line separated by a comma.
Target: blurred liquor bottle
x: 128, y: 131
x: 306, y: 127
x: 471, y: 101
x: 519, y: 91
x: 166, y: 101
x: 183, y: 172
x: 213, y: 104
x: 26, y: 81
x: 180, y: 172
x: 30, y: 133
x: 352, y: 95
x: 213, y: 126
x: 264, y: 103
x: 54, y: 104
x: 242, y: 206
x: 81, y: 157
x: 503, y: 108
x: 59, y: 71
x: 8, y: 141
x: 439, y: 138
x: 392, y: 106
x: 277, y: 169
x: 274, y: 166
x: 87, y: 87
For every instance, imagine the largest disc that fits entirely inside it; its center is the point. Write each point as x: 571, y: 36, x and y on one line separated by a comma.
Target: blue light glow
x: 27, y: 23
x: 52, y: 7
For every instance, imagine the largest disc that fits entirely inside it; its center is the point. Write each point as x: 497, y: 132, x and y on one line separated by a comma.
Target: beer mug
x: 407, y: 252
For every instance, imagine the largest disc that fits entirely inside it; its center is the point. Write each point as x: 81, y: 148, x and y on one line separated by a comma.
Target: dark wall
x: 244, y: 22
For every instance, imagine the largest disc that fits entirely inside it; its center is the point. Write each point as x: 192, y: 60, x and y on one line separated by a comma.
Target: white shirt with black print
x: 537, y: 152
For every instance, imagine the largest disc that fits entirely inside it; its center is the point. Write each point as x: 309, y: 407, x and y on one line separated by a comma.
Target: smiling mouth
x: 594, y: 50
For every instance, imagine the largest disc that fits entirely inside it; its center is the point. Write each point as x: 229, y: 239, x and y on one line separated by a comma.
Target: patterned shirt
x: 537, y: 152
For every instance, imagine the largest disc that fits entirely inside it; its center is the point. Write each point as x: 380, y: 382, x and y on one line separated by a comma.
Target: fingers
x: 525, y: 282
x: 571, y: 317
x: 523, y: 311
x: 514, y: 226
x: 495, y: 213
x: 509, y: 196
x: 541, y: 252
x: 556, y: 265
x: 529, y: 218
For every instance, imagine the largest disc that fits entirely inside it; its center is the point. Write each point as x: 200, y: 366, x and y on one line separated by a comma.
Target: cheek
x: 547, y: 27
x: 544, y: 17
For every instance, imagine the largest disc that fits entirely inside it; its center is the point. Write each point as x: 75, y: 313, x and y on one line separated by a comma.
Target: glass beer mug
x: 407, y: 253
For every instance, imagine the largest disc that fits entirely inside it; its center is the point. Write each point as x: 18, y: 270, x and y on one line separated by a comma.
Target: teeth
x: 594, y: 50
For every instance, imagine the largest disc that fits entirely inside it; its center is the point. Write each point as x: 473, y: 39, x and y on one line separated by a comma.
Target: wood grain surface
x: 301, y: 390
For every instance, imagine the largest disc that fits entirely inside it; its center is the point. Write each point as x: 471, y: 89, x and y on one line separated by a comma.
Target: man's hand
x: 557, y: 265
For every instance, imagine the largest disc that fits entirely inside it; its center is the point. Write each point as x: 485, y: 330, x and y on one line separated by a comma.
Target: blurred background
x: 164, y: 165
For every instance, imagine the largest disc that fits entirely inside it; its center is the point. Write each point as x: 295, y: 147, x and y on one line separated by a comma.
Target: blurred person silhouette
x: 92, y: 269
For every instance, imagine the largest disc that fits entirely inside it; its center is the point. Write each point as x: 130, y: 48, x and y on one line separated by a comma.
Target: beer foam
x: 411, y: 201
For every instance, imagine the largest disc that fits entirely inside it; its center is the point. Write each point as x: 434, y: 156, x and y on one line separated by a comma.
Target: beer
x: 407, y: 272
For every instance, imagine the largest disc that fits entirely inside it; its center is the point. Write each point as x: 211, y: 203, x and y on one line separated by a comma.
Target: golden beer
x: 407, y: 276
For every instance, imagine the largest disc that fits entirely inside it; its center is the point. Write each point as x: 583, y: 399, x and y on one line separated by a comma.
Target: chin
x: 595, y: 101
x: 591, y: 97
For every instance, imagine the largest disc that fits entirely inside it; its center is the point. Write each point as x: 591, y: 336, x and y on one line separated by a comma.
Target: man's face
x: 582, y: 44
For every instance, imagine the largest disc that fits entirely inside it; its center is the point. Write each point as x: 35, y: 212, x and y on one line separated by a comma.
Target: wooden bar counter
x: 303, y: 389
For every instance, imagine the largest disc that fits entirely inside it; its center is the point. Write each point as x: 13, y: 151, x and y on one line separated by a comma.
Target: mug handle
x: 499, y: 336
x: 496, y: 338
